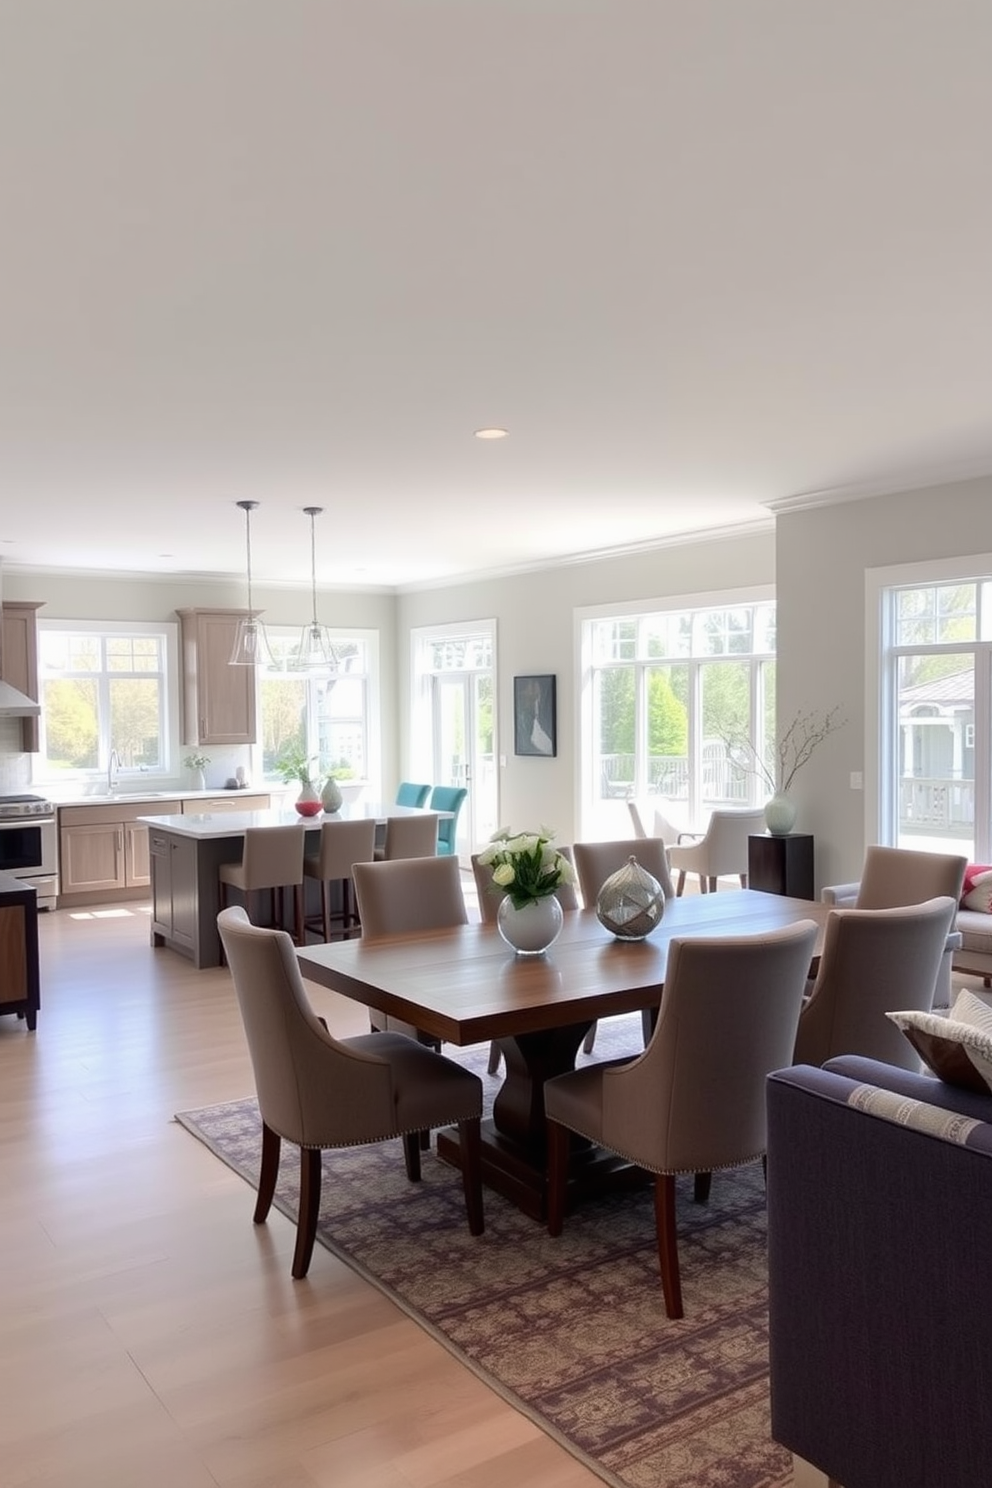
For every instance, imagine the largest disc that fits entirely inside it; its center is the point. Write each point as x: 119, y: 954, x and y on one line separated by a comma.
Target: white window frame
x: 166, y: 631
x: 371, y: 784
x: 881, y: 722
x: 584, y: 620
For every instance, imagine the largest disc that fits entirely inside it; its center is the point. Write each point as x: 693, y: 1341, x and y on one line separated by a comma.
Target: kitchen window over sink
x: 104, y: 687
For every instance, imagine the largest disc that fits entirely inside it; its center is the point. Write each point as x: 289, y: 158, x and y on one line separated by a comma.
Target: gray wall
x: 536, y: 632
x: 822, y: 556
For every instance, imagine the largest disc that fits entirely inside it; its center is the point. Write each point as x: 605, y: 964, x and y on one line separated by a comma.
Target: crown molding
x: 888, y: 485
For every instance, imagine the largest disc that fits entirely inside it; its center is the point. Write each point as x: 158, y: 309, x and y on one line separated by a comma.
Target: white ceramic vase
x: 308, y: 802
x: 201, y: 780
x: 532, y: 929
x: 331, y: 795
x: 780, y: 814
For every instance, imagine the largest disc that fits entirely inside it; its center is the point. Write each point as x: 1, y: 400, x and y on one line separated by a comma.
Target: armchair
x: 721, y: 851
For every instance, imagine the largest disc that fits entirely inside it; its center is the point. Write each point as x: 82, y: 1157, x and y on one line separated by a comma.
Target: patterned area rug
x: 571, y: 1331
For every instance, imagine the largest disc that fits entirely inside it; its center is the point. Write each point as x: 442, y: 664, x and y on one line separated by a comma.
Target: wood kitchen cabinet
x: 20, y: 990
x: 104, y: 851
x: 174, y: 890
x: 219, y: 700
x: 228, y: 801
x: 20, y: 660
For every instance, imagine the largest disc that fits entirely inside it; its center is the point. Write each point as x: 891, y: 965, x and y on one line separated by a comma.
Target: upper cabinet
x: 20, y: 660
x: 219, y: 705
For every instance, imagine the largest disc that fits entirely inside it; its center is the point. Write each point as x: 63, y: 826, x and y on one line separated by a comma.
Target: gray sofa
x: 880, y: 1271
x: 974, y: 956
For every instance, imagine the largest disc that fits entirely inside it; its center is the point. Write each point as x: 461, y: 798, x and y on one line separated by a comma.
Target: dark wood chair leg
x: 298, y: 913
x: 668, y: 1244
x: 411, y: 1154
x: 743, y: 880
x: 306, y: 1222
x: 701, y: 1191
x: 470, y: 1143
x: 325, y: 908
x: 681, y: 884
x: 268, y: 1173
x: 558, y: 1145
x: 494, y: 1058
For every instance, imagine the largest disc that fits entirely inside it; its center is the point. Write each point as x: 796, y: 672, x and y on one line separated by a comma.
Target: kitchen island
x: 20, y: 988
x: 187, y: 850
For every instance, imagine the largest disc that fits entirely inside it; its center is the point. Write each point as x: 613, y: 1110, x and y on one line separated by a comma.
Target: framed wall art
x: 534, y: 720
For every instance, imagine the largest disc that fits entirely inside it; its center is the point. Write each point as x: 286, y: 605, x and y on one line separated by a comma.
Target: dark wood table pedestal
x: 514, y: 1140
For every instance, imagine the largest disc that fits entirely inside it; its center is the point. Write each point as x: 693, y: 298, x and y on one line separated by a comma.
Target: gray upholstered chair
x: 401, y: 897
x: 720, y: 852
x: 595, y: 861
x: 271, y: 858
x: 489, y: 896
x: 342, y: 844
x: 893, y: 876
x: 318, y: 1091
x: 873, y: 962
x: 409, y: 837
x: 694, y: 1100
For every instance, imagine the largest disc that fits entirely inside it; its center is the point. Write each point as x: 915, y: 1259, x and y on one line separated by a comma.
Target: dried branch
x: 794, y: 747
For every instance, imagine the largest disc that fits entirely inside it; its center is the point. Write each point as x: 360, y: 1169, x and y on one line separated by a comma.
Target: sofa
x: 880, y: 1271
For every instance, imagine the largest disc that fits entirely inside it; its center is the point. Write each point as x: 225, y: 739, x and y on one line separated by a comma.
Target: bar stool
x: 342, y: 844
x: 410, y: 836
x: 271, y: 858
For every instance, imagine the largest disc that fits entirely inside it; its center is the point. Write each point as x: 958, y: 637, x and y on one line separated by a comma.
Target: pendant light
x: 251, y: 644
x: 316, y: 651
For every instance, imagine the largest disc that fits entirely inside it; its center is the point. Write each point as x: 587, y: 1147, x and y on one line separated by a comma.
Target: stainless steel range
x: 29, y: 846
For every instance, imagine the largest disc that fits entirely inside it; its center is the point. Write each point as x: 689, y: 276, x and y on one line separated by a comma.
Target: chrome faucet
x: 113, y: 765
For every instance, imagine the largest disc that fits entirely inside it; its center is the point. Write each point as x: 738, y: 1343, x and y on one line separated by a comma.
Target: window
x: 453, y: 720
x: 104, y: 687
x: 935, y: 740
x: 328, y: 714
x: 665, y: 696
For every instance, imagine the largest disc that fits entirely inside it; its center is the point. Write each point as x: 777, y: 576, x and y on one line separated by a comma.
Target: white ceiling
x: 697, y: 258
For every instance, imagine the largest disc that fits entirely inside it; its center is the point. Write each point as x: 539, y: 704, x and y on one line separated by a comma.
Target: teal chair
x: 447, y: 798
x: 412, y: 795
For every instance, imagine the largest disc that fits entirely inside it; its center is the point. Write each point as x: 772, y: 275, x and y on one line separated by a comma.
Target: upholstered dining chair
x: 271, y: 858
x: 720, y: 852
x: 409, y: 837
x: 489, y: 896
x: 694, y: 1101
x: 400, y: 897
x: 894, y: 876
x: 342, y: 844
x: 447, y: 798
x: 873, y: 962
x: 317, y: 1091
x: 596, y: 861
x: 649, y: 819
x: 408, y: 793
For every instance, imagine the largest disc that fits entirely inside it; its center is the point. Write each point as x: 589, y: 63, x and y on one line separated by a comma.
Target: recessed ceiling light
x: 491, y: 433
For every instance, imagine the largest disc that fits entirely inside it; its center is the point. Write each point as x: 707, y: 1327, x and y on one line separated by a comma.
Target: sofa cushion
x: 957, y: 1048
x: 975, y: 929
x: 977, y: 889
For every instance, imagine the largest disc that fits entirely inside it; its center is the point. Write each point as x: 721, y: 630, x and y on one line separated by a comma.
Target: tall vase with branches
x: 794, y: 748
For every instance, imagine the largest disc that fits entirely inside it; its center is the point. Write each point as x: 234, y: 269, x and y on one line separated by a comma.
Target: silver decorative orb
x: 631, y: 902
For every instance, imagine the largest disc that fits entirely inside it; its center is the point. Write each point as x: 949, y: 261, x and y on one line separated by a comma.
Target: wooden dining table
x: 465, y: 986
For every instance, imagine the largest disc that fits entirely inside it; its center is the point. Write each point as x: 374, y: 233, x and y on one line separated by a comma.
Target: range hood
x: 13, y: 704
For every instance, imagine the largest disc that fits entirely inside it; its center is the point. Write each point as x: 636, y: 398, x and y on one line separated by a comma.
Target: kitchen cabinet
x: 174, y: 890
x: 19, y: 974
x: 104, y: 851
x: 219, y: 700
x: 227, y: 801
x: 20, y: 660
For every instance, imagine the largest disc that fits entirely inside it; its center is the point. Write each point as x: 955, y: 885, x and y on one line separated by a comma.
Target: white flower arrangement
x: 526, y: 865
x: 196, y: 761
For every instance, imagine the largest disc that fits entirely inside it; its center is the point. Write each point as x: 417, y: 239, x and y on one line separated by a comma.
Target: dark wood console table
x: 781, y: 865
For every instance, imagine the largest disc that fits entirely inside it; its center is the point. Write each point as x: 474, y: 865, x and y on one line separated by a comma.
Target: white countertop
x: 207, y: 824
x: 137, y: 797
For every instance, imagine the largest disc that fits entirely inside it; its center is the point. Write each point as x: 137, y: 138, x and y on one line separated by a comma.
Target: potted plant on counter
x: 295, y: 764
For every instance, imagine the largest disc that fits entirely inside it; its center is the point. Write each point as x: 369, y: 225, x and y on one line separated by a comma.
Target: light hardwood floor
x: 150, y: 1334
